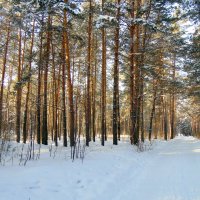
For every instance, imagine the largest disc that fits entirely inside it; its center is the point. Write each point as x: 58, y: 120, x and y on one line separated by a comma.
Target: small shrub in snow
x: 144, y: 146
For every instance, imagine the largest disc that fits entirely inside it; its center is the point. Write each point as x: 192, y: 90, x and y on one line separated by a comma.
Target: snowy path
x: 171, y: 171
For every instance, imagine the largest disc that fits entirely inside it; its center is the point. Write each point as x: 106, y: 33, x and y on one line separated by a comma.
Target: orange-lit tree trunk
x: 94, y: 83
x: 64, y: 123
x: 69, y: 82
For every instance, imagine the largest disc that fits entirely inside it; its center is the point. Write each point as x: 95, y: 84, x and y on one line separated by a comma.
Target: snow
x: 103, y: 20
x: 165, y: 171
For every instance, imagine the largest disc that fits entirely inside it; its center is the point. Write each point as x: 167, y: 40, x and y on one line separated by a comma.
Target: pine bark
x: 28, y: 88
x: 153, y: 109
x: 69, y: 81
x: 173, y: 99
x: 88, y: 96
x: 47, y: 53
x: 94, y: 83
x: 3, y: 76
x: 103, y: 85
x: 64, y: 123
x: 19, y: 90
x: 116, y: 114
x: 132, y: 76
x: 40, y: 67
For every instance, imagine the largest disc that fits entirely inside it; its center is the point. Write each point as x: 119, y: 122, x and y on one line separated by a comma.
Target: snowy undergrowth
x: 13, y: 153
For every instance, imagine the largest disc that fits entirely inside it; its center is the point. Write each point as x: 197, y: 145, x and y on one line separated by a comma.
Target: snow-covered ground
x: 168, y: 171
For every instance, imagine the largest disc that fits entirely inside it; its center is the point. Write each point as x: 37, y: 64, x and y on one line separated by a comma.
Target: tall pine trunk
x: 116, y: 114
x: 132, y: 75
x: 3, y: 76
x: 64, y: 118
x: 88, y: 96
x: 69, y: 81
x: 40, y: 67
x: 19, y: 90
x: 103, y: 85
x: 173, y: 107
x: 28, y: 88
x: 94, y: 83
x: 153, y: 109
x: 47, y: 53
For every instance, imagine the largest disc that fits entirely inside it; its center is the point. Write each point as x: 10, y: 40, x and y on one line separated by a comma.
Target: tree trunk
x: 28, y: 88
x: 47, y: 53
x: 165, y: 119
x: 88, y: 96
x: 137, y: 101
x: 132, y: 75
x: 173, y: 99
x: 3, y: 76
x: 69, y: 82
x: 19, y: 90
x: 64, y: 124
x: 153, y: 108
x: 40, y: 67
x: 94, y: 83
x: 103, y: 85
x: 116, y: 115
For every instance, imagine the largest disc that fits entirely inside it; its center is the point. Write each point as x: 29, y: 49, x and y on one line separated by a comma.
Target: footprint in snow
x: 33, y: 187
x: 79, y: 181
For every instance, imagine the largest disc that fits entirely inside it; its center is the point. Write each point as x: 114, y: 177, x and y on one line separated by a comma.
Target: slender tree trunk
x: 3, y: 75
x: 64, y: 124
x: 116, y: 115
x: 53, y: 94
x: 28, y: 88
x: 55, y: 97
x: 94, y: 91
x: 153, y: 108
x: 173, y: 99
x: 69, y: 82
x: 144, y: 38
x: 8, y: 99
x: 132, y: 75
x: 165, y: 119
x: 142, y: 111
x: 156, y: 128
x: 47, y: 53
x: 88, y: 96
x: 40, y: 67
x: 137, y: 101
x: 103, y: 85
x: 19, y: 90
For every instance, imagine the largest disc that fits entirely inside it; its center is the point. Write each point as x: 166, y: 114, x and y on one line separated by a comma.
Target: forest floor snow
x: 167, y: 171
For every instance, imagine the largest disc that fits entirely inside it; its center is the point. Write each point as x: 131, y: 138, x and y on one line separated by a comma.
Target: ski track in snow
x: 171, y: 171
